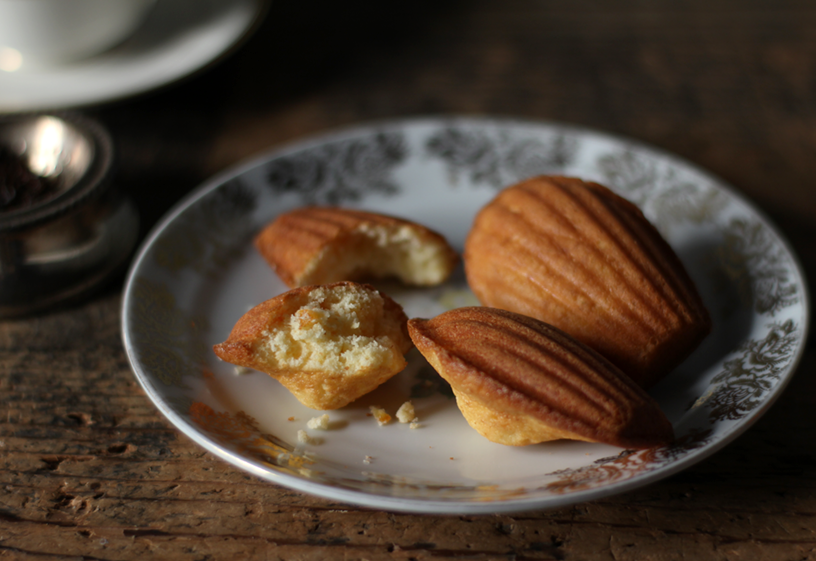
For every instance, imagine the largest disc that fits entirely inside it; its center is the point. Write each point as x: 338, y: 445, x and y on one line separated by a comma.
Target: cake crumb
x: 368, y: 459
x: 383, y: 418
x: 406, y: 412
x: 320, y: 423
x: 415, y: 424
x: 304, y: 438
x: 290, y: 419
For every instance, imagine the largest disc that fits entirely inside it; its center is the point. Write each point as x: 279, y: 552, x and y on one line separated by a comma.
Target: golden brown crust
x: 578, y: 256
x: 520, y: 381
x: 327, y: 344
x: 318, y: 245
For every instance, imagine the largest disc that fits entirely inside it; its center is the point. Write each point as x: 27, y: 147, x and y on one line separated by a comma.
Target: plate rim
x: 457, y: 506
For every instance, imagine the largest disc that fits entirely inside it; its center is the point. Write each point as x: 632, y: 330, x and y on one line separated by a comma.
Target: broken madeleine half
x: 519, y: 381
x: 577, y: 256
x: 328, y: 345
x: 318, y: 245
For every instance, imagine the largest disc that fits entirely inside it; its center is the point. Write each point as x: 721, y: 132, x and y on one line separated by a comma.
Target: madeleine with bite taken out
x: 327, y: 344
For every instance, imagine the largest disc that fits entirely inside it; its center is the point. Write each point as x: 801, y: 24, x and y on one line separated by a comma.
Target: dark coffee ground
x: 19, y: 186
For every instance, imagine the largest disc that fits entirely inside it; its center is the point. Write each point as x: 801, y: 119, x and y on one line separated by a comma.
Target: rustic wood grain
x: 90, y: 470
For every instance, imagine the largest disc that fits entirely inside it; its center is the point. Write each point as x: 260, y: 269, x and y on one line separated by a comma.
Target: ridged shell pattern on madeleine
x: 576, y: 255
x: 519, y: 381
x: 323, y: 244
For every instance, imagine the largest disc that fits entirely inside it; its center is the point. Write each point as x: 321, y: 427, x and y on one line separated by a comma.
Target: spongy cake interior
x: 383, y: 251
x: 342, y: 331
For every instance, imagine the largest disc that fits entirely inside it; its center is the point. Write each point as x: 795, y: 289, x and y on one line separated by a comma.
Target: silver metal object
x: 70, y: 240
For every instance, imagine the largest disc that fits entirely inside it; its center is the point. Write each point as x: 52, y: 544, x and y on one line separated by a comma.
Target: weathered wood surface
x: 90, y: 470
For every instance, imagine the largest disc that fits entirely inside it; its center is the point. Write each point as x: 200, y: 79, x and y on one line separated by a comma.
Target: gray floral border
x: 500, y: 157
x: 168, y: 340
x: 340, y: 171
x: 744, y: 381
x: 203, y: 238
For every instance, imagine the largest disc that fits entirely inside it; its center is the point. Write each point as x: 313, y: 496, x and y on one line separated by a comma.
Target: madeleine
x: 328, y: 345
x: 519, y: 381
x: 579, y: 257
x: 319, y: 245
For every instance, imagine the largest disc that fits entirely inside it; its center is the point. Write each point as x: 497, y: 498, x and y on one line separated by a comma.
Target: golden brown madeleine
x: 519, y: 381
x: 577, y: 256
x: 318, y: 245
x: 328, y: 345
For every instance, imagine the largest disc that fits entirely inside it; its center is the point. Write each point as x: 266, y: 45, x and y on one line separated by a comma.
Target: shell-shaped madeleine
x: 520, y: 381
x: 327, y: 344
x: 575, y: 255
x: 319, y: 245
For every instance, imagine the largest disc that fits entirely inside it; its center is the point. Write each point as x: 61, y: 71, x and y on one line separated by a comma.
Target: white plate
x: 177, y: 38
x: 198, y: 273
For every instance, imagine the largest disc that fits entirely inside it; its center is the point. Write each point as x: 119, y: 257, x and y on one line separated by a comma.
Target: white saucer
x: 178, y: 38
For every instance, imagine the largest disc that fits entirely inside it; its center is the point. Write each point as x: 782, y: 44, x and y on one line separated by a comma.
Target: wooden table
x: 89, y: 469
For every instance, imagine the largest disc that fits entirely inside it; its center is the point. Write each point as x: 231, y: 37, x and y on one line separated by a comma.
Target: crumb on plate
x: 320, y: 423
x: 406, y: 413
x: 383, y: 418
x: 304, y: 438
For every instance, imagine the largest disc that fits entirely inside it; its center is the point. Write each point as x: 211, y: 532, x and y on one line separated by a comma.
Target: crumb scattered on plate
x: 383, y: 418
x: 304, y: 438
x: 406, y: 412
x: 368, y: 459
x: 320, y: 423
